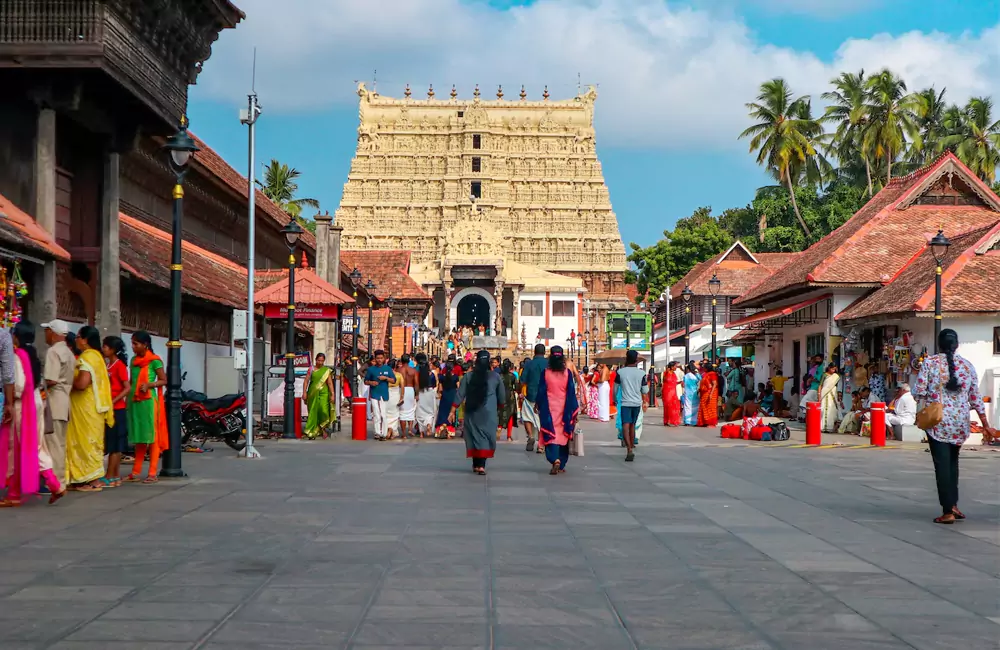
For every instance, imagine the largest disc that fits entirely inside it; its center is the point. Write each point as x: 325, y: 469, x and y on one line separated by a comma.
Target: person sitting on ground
x: 732, y: 410
x: 767, y: 401
x: 792, y: 412
x: 860, y: 408
x: 751, y: 418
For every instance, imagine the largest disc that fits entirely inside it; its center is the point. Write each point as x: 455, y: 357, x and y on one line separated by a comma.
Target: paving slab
x: 698, y: 544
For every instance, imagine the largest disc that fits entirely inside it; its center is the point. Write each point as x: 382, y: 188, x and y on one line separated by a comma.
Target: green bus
x: 629, y: 329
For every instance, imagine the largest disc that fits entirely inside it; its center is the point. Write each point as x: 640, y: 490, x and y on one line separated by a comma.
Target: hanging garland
x: 13, y: 293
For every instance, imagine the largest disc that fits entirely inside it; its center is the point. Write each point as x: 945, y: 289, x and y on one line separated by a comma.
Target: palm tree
x: 848, y: 109
x: 931, y: 121
x: 977, y: 142
x: 281, y: 187
x: 816, y: 169
x: 894, y: 116
x: 782, y: 137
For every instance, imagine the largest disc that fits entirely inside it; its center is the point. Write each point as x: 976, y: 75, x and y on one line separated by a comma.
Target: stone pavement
x: 398, y: 545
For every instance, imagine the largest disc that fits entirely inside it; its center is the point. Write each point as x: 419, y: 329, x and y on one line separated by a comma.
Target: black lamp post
x: 713, y: 288
x: 939, y: 247
x: 292, y: 232
x: 181, y: 148
x: 686, y: 295
x: 355, y: 277
x: 389, y: 302
x: 370, y: 290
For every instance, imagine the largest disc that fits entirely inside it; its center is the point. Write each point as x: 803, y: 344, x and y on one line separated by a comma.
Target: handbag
x: 931, y: 415
x: 48, y: 426
x: 576, y: 444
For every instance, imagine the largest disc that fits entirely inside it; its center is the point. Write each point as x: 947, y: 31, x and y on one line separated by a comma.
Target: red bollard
x: 297, y: 414
x: 814, y: 433
x: 878, y: 424
x: 359, y: 418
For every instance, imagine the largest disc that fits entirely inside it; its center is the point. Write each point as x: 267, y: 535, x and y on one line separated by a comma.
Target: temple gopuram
x: 501, y: 203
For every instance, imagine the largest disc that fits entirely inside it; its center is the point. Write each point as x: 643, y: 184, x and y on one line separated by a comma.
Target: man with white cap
x: 59, y: 365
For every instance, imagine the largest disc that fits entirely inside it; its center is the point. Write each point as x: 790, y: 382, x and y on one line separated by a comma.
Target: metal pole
x: 354, y: 353
x: 338, y: 367
x: 371, y: 352
x: 253, y: 112
x: 390, y: 335
x: 628, y: 328
x: 290, y: 353
x: 713, y: 329
x: 172, y: 459
x: 667, y: 342
x: 687, y: 334
x: 937, y: 307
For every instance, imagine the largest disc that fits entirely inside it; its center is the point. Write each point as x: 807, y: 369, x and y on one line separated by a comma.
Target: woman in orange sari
x: 708, y: 412
x: 671, y: 402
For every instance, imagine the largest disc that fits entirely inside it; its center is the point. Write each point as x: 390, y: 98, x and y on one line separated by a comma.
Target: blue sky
x: 672, y: 76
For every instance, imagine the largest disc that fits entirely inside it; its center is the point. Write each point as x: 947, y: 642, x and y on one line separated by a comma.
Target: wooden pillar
x: 515, y: 312
x: 109, y: 319
x: 44, y: 307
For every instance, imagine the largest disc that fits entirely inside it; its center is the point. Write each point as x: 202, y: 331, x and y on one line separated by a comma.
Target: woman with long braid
x: 949, y: 379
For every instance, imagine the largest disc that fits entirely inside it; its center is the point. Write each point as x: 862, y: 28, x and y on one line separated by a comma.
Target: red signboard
x: 303, y: 312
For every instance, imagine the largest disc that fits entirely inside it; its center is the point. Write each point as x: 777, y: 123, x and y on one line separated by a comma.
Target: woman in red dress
x: 671, y: 403
x: 708, y: 412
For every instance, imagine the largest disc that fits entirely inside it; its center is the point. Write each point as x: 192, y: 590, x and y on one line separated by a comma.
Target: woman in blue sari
x: 691, y: 400
x: 733, y: 381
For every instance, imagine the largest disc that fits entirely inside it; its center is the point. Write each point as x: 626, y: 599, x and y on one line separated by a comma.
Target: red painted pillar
x: 878, y: 424
x: 297, y: 414
x: 814, y: 434
x: 359, y: 418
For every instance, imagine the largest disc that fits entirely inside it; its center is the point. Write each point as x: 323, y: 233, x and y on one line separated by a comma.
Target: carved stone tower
x: 527, y: 170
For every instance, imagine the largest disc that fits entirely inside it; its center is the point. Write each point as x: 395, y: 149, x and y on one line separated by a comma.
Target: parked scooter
x: 218, y: 417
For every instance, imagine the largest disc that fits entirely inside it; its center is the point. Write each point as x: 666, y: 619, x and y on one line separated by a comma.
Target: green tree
x: 782, y: 137
x: 848, y: 111
x: 977, y: 141
x: 932, y: 124
x: 281, y: 186
x: 694, y: 239
x: 893, y: 117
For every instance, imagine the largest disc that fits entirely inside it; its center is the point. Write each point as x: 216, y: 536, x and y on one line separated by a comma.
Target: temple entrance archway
x: 473, y: 306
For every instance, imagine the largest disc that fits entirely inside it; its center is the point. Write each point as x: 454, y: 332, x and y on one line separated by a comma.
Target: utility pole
x: 249, y: 117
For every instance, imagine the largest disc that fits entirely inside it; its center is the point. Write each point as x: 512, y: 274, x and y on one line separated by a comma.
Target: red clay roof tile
x: 309, y: 288
x: 389, y: 270
x: 735, y: 268
x: 17, y: 227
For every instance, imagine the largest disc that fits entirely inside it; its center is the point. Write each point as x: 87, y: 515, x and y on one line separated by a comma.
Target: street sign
x: 303, y: 311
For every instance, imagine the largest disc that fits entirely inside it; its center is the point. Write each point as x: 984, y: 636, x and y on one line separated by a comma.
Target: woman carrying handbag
x: 949, y: 388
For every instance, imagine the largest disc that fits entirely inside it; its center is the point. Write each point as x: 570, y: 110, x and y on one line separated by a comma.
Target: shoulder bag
x: 933, y: 412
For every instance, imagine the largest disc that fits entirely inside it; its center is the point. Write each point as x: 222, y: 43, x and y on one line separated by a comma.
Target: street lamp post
x: 686, y: 295
x: 181, y: 148
x: 713, y: 287
x: 355, y: 277
x: 370, y: 289
x: 389, y: 302
x: 292, y: 232
x: 939, y: 247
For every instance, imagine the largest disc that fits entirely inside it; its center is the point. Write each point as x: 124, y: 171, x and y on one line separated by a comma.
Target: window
x: 564, y: 308
x: 532, y: 308
x: 461, y: 113
x: 477, y: 141
x: 477, y: 189
x: 477, y: 164
x: 815, y: 344
x: 996, y: 340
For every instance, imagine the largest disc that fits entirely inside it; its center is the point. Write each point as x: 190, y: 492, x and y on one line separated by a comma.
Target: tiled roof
x: 309, y: 288
x: 20, y: 229
x: 971, y: 275
x: 145, y: 253
x: 380, y: 321
x: 216, y: 166
x: 737, y: 268
x: 883, y: 235
x: 389, y: 270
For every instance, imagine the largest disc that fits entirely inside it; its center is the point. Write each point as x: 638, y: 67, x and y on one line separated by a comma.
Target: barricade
x: 814, y: 416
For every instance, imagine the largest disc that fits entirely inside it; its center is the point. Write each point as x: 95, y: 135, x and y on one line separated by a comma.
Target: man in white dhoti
x: 427, y: 397
x: 395, y: 399
x: 408, y: 409
x: 377, y: 378
x: 604, y: 393
x: 530, y: 377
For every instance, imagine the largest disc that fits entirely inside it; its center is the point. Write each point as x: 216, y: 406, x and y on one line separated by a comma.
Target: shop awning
x: 778, y: 312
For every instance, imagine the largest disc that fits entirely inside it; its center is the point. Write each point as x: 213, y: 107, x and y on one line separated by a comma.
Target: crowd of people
x: 69, y: 423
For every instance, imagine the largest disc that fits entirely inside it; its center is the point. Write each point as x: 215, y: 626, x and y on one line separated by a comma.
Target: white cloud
x: 668, y: 75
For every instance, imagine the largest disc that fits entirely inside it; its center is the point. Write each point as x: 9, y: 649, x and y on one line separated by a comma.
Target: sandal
x: 957, y: 514
x: 555, y: 468
x: 89, y: 488
x: 947, y: 519
x: 109, y: 482
x: 149, y: 480
x: 58, y: 495
x: 133, y: 478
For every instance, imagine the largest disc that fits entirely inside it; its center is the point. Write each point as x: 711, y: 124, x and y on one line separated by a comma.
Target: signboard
x: 348, y: 326
x: 303, y: 311
x: 546, y: 332
x: 302, y: 360
x: 638, y: 326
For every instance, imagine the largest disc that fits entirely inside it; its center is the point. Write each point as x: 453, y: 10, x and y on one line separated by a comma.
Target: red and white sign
x: 303, y: 312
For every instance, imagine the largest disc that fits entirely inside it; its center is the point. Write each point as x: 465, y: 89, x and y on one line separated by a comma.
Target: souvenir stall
x: 14, y: 292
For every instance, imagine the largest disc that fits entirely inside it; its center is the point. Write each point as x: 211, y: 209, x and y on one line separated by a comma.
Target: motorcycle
x: 223, y: 417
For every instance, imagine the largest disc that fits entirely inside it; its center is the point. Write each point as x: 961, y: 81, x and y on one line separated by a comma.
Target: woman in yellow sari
x: 90, y: 412
x: 829, y: 399
x: 319, y: 399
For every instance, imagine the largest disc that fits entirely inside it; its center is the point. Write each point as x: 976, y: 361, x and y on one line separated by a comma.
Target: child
x: 751, y: 419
